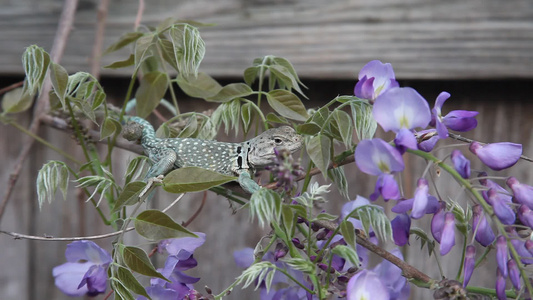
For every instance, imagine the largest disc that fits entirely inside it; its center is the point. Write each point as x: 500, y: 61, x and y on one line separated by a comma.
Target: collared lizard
x: 236, y: 159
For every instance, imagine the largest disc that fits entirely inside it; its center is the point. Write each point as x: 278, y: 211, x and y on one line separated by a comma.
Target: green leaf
x: 344, y: 125
x: 167, y: 50
x: 109, y: 128
x: 193, y: 179
x: 365, y: 125
x: 287, y: 104
x: 152, y: 88
x: 424, y: 238
x: 373, y: 216
x: 247, y: 114
x: 288, y: 219
x: 320, y: 117
x: 300, y: 264
x: 143, y: 47
x: 129, y: 196
x: 190, y: 128
x: 348, y: 233
x: 230, y: 92
x: 53, y: 175
x: 347, y: 253
x: 130, y: 61
x: 266, y: 205
x: 121, y: 292
x: 256, y: 273
x: 326, y: 217
x: 130, y: 282
x: 319, y: 150
x: 286, y: 63
x: 283, y: 75
x: 250, y: 75
x: 189, y: 48
x: 35, y: 61
x: 16, y: 101
x: 123, y: 41
x: 308, y: 128
x: 273, y: 118
x: 155, y: 225
x: 60, y: 81
x: 338, y: 176
x: 137, y: 260
x: 202, y: 86
x: 136, y: 167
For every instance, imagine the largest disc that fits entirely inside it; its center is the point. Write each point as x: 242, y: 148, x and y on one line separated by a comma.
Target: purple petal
x: 403, y: 206
x: 420, y: 199
x: 158, y: 292
x: 520, y: 247
x: 484, y: 234
x: 366, y: 285
x: 400, y: 229
x: 405, y: 139
x: 433, y: 205
x: 244, y: 257
x: 391, y: 277
x: 441, y: 98
x: 364, y: 88
x: 497, y: 156
x: 441, y: 128
x: 525, y: 215
x: 514, y: 273
x: 448, y: 234
x: 523, y: 193
x: 501, y: 208
x: 189, y: 244
x: 460, y: 120
x: 470, y: 263
x: 95, y: 279
x: 400, y: 108
x: 428, y: 139
x: 67, y: 278
x: 87, y: 251
x: 350, y: 206
x: 437, y: 222
x: 376, y: 156
x: 502, y: 254
x: 500, y: 285
x: 461, y: 164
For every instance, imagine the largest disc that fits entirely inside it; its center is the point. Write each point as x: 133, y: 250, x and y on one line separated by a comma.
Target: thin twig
x: 140, y: 12
x: 197, y: 212
x: 42, y: 106
x: 408, y: 270
x: 11, y: 87
x: 96, y: 55
x: 467, y: 140
x: 18, y: 236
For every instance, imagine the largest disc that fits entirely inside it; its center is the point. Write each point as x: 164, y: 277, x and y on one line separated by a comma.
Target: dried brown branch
x: 11, y: 87
x: 140, y: 12
x: 42, y: 106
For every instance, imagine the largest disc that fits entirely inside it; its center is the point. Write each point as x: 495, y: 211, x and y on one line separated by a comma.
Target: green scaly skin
x: 235, y: 159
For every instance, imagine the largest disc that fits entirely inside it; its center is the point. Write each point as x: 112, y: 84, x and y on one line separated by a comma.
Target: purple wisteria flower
x: 460, y: 163
x: 401, y: 110
x: 374, y: 78
x: 391, y: 277
x: 523, y: 193
x: 469, y: 264
x: 500, y: 285
x: 427, y: 139
x: 483, y: 232
x: 514, y: 273
x: 366, y: 285
x: 420, y: 201
x: 447, y: 240
x: 376, y: 157
x: 501, y: 206
x: 84, y: 273
x: 403, y: 206
x: 180, y: 259
x: 437, y: 222
x: 458, y: 120
x: 501, y: 254
x: 401, y: 225
x: 525, y: 215
x: 497, y: 156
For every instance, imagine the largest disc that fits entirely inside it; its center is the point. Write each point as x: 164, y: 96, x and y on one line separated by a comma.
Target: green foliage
x: 137, y: 260
x: 16, y: 101
x: 257, y: 272
x: 193, y: 179
x: 319, y: 150
x: 53, y: 175
x: 152, y: 88
x: 129, y: 196
x: 156, y: 226
x: 265, y: 204
x: 35, y: 62
x: 373, y: 217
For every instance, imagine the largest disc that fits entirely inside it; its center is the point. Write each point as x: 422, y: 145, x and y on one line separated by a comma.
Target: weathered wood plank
x: 324, y: 39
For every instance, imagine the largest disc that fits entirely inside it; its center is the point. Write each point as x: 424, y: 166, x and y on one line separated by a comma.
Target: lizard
x: 235, y: 159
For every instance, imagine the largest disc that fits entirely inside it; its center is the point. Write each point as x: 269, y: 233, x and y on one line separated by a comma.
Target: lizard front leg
x: 247, y: 183
x: 163, y: 163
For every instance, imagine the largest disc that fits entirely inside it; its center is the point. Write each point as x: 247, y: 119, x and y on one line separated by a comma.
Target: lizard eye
x: 277, y: 141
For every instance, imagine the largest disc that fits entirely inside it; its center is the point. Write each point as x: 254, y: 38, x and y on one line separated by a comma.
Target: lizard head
x: 262, y: 146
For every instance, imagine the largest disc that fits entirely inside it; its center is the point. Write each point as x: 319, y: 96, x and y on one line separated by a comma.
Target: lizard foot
x: 150, y: 183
